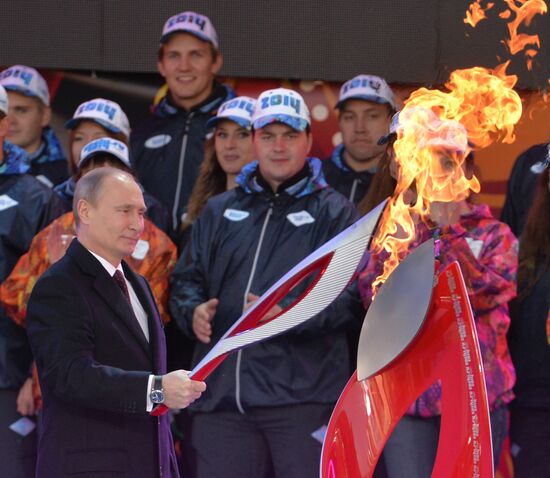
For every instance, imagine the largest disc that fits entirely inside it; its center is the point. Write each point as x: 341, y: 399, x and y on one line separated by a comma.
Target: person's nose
x: 137, y: 222
x: 279, y: 144
x: 231, y: 143
x: 183, y: 63
x: 360, y: 125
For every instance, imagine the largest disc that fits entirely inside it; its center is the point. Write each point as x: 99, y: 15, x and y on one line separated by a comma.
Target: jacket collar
x: 220, y: 94
x: 66, y: 189
x: 337, y: 158
x: 49, y: 150
x: 16, y: 160
x: 307, y: 181
x: 109, y: 291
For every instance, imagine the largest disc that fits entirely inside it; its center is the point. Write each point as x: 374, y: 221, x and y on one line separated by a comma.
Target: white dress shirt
x: 139, y: 312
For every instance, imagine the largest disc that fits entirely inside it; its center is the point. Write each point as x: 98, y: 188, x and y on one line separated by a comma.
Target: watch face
x: 157, y: 396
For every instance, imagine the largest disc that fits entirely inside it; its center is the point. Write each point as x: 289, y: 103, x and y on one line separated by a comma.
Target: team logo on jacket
x: 6, y: 202
x: 300, y: 218
x: 158, y: 141
x: 235, y: 214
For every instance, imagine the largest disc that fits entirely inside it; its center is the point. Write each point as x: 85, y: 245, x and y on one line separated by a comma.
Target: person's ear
x: 46, y: 116
x: 83, y: 209
x: 217, y: 64
x: 309, y: 142
x: 4, y: 126
x: 161, y: 69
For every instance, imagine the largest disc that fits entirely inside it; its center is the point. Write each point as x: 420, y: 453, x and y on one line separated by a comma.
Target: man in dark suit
x: 99, y: 346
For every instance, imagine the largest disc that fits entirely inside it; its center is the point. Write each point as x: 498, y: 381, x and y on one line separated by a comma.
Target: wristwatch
x: 157, y: 394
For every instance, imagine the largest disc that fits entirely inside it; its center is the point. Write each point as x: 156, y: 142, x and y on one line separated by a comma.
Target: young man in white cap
x: 167, y: 148
x: 365, y: 108
x: 26, y: 206
x: 29, y: 116
x: 267, y: 404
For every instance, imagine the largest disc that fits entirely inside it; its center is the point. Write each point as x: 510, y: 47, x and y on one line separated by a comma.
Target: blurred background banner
x: 405, y: 41
x: 108, y: 48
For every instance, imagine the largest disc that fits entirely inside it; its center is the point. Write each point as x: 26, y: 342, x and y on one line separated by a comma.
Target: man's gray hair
x: 89, y: 187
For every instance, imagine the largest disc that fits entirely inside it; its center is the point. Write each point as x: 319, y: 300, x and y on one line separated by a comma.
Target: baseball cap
x: 394, y: 124
x: 281, y: 105
x: 107, y: 146
x: 539, y: 166
x: 4, y: 103
x: 447, y: 134
x: 192, y: 23
x: 27, y: 81
x: 104, y: 112
x: 429, y: 129
x: 239, y: 110
x: 368, y: 88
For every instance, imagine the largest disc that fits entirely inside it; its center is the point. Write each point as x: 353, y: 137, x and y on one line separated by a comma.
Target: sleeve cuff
x: 149, y: 403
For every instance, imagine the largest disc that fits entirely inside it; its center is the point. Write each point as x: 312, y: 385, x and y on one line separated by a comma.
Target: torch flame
x: 436, y: 132
x: 523, y: 12
x: 476, y: 13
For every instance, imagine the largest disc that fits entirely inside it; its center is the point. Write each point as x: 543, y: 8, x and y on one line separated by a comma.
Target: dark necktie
x: 119, y: 279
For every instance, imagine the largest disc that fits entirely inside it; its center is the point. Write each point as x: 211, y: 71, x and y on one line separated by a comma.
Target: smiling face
x: 27, y: 116
x: 189, y: 67
x: 110, y: 223
x: 233, y: 145
x: 281, y: 151
x: 362, y: 123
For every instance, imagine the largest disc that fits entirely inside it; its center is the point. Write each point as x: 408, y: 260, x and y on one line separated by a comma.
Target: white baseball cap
x: 4, y: 103
x: 429, y: 129
x: 193, y: 23
x: 238, y: 110
x: 394, y: 126
x: 27, y: 81
x: 447, y: 134
x: 104, y: 112
x: 107, y: 146
x: 368, y: 88
x: 281, y: 106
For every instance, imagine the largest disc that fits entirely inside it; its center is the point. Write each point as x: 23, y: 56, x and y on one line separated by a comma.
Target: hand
x: 25, y: 400
x: 202, y: 318
x: 179, y: 390
x: 276, y: 309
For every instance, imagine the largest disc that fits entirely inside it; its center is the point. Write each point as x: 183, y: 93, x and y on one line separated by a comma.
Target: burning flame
x: 518, y: 12
x: 436, y: 131
x: 476, y: 13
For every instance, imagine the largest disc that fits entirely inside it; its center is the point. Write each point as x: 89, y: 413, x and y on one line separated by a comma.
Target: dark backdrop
x: 406, y: 41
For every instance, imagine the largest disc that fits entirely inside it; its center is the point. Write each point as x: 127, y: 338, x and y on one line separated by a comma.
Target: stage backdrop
x: 405, y: 41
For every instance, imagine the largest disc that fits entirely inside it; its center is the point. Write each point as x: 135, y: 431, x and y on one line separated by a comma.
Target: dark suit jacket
x: 94, y: 362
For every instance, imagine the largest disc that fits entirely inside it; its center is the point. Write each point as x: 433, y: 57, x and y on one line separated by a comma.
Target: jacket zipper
x: 180, y: 170
x: 247, y: 290
x: 353, y: 190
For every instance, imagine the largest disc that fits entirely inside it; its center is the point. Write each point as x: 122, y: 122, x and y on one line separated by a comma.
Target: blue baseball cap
x: 238, y: 110
x: 281, y: 105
